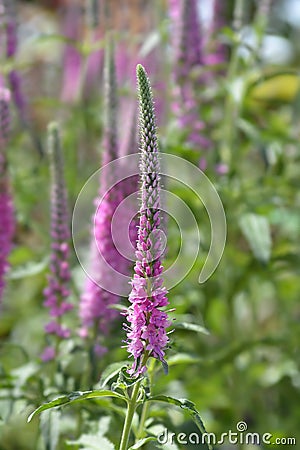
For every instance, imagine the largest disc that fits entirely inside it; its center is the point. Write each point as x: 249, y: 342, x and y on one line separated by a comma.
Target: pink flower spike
x: 7, y: 219
x: 57, y: 291
x: 146, y: 332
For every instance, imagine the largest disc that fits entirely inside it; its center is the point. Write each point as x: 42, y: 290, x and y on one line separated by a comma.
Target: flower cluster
x: 146, y: 334
x: 7, y: 222
x: 57, y: 292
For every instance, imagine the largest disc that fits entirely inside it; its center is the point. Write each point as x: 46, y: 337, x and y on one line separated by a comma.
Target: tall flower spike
x: 72, y: 60
x: 111, y: 106
x: 95, y: 311
x: 11, y: 50
x: 146, y: 334
x: 216, y: 50
x: 94, y: 62
x: 57, y: 292
x: 129, y: 186
x: 190, y: 45
x: 187, y: 41
x: 7, y: 221
x: 9, y: 10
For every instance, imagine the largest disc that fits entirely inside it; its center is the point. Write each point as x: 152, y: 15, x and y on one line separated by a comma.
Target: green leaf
x: 165, y: 367
x: 72, y: 397
x: 191, y: 327
x: 56, y: 38
x: 249, y: 129
x: 125, y: 381
x: 23, y: 373
x: 269, y: 76
x: 28, y: 270
x: 185, y: 404
x: 256, y: 230
x: 118, y: 307
x: 20, y: 255
x: 141, y: 442
x: 111, y: 371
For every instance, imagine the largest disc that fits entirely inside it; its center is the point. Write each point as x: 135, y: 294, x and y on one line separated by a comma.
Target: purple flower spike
x: 146, y: 334
x: 57, y: 291
x: 216, y: 53
x: 11, y: 29
x: 7, y: 220
x: 187, y: 41
x: 9, y: 11
x: 95, y: 311
x: 130, y: 185
x: 190, y: 44
x: 11, y: 51
x: 72, y: 60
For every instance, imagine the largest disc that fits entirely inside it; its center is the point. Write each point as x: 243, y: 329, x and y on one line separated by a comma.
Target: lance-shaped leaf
x: 73, y: 397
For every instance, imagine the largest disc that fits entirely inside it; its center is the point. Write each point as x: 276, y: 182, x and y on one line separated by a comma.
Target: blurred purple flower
x: 94, y: 67
x: 94, y: 62
x: 188, y: 77
x: 14, y: 77
x: 130, y: 185
x: 57, y: 292
x: 127, y: 57
x: 146, y: 334
x: 222, y: 169
x: 48, y: 354
x: 190, y: 48
x: 216, y: 53
x: 7, y: 220
x: 8, y: 9
x: 202, y: 164
x: 95, y: 311
x: 72, y: 60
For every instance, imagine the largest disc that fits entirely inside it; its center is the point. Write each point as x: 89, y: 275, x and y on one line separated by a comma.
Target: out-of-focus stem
x: 231, y: 104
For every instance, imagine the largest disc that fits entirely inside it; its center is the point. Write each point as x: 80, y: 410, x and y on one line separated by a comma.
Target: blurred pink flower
x: 7, y: 219
x: 57, y: 291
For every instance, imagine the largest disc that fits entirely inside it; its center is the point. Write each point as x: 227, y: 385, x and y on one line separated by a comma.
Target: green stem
x: 129, y: 416
x: 146, y: 405
x: 231, y: 107
x: 143, y: 420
